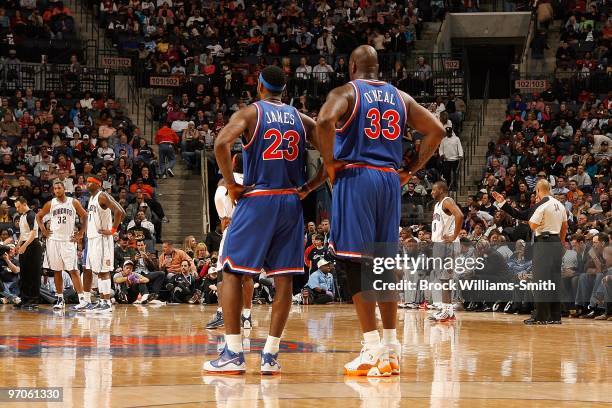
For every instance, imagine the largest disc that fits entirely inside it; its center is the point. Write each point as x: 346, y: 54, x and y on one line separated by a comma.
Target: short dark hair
x: 603, y: 237
x: 274, y: 76
x: 319, y: 237
x: 22, y: 200
x: 168, y: 242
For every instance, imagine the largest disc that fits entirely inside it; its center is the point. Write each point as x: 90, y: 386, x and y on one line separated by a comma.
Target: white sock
x: 390, y: 336
x: 60, y: 296
x: 372, y: 338
x: 87, y: 297
x: 234, y: 342
x: 219, y: 309
x: 246, y: 313
x: 448, y: 307
x: 272, y: 345
x: 104, y: 286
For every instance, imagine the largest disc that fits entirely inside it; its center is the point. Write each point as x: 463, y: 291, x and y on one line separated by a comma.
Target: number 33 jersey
x: 274, y: 157
x: 373, y: 133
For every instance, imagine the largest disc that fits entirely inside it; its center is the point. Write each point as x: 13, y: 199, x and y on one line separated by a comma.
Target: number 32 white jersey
x: 63, y: 219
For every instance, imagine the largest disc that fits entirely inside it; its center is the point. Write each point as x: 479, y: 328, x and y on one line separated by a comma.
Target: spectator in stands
x: 451, y: 152
x: 130, y: 285
x: 322, y: 72
x: 320, y: 284
x: 182, y: 284
x: 146, y: 264
x: 314, y: 253
x: 171, y: 259
x: 167, y: 140
x: 414, y: 205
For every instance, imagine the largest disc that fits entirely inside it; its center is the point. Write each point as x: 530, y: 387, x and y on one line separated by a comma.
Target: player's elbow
x: 438, y: 132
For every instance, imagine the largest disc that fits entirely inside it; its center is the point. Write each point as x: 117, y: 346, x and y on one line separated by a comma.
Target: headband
x: 273, y: 88
x: 94, y: 180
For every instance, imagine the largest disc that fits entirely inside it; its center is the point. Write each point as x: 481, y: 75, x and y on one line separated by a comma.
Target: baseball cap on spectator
x: 128, y: 262
x: 85, y: 136
x: 322, y: 262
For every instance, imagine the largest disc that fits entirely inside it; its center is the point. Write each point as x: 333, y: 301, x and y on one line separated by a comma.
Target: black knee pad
x: 352, y: 269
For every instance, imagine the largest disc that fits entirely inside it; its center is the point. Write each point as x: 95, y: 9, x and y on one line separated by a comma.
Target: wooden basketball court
x: 151, y: 356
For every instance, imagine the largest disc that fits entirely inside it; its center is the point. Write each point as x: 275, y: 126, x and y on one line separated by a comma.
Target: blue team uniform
x: 267, y: 228
x: 366, y: 198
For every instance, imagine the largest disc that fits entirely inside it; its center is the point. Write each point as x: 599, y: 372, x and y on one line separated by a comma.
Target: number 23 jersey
x: 274, y: 157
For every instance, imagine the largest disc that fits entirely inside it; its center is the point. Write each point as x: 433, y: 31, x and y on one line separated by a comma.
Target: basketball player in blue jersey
x: 267, y: 226
x: 360, y: 129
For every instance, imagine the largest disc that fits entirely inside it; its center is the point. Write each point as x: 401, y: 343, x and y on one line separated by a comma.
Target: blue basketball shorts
x: 366, y: 210
x: 266, y: 232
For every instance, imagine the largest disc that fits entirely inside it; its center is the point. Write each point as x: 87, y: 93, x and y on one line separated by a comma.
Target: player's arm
x: 311, y: 135
x: 118, y: 212
x: 425, y: 123
x: 237, y: 125
x: 335, y: 108
x: 82, y: 217
x: 39, y: 219
x: 31, y: 219
x: 450, y: 206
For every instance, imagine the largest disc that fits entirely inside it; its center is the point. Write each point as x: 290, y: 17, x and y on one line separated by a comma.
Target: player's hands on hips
x: 235, y: 191
x: 448, y: 238
x: 303, y: 192
x: 105, y: 232
x: 405, y: 176
x: 333, y: 167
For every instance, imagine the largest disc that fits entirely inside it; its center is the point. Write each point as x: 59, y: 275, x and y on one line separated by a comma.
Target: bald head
x: 363, y: 63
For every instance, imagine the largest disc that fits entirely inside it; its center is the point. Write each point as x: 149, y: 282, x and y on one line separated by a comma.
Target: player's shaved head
x: 439, y: 190
x: 364, y: 63
x: 442, y: 186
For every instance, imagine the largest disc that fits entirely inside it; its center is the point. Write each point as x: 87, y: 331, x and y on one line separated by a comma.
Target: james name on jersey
x: 279, y: 117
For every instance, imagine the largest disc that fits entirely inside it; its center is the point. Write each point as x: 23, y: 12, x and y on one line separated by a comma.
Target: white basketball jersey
x: 97, y: 217
x: 223, y: 202
x: 442, y: 223
x: 63, y: 219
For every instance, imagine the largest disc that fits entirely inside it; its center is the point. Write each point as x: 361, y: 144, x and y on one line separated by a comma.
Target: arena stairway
x: 181, y: 198
x: 494, y: 117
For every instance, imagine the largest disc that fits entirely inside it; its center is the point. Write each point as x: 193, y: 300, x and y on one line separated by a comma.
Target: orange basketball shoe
x: 395, y: 355
x: 372, y: 362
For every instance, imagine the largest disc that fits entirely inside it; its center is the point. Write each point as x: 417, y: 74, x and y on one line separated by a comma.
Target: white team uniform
x: 61, y: 251
x: 225, y: 209
x: 100, y: 248
x: 443, y: 224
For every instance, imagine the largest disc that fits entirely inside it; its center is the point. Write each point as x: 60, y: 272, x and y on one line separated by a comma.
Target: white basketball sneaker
x: 372, y: 362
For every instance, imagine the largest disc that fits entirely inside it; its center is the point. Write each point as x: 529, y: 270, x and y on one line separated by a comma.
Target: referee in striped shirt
x: 548, y: 221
